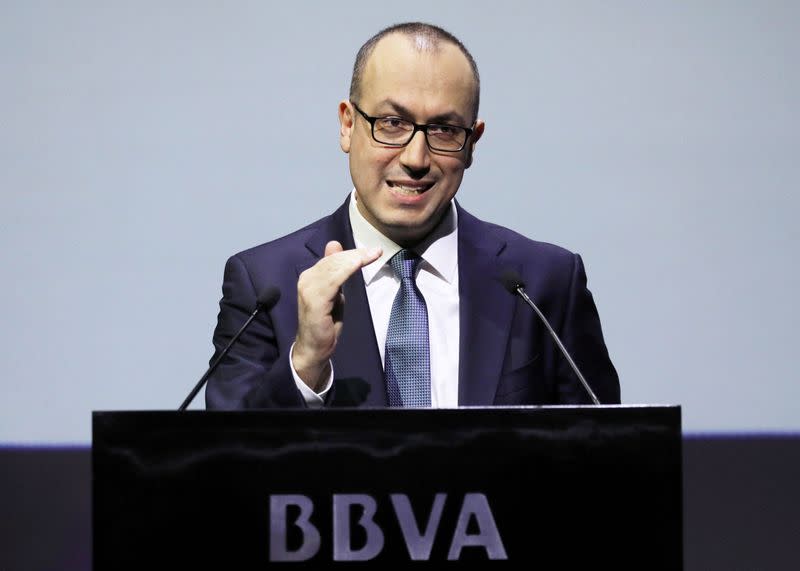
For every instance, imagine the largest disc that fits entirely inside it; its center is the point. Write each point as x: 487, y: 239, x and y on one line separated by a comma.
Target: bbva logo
x: 419, y: 542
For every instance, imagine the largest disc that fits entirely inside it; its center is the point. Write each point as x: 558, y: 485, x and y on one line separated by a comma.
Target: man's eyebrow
x: 450, y: 117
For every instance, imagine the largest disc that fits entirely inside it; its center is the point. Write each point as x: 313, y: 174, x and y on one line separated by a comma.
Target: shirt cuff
x: 313, y: 399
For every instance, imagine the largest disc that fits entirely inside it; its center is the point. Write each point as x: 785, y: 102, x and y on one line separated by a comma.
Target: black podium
x: 511, y: 488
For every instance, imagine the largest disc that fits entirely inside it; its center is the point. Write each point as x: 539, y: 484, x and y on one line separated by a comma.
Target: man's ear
x: 346, y: 119
x: 477, y: 133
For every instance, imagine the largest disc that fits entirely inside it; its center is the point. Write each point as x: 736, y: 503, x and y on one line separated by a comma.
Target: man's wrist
x: 314, y: 374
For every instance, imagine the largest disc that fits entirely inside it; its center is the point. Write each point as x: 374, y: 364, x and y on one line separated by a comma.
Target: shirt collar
x: 439, y: 249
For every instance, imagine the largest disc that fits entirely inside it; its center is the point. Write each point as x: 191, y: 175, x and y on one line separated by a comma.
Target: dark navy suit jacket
x: 506, y: 356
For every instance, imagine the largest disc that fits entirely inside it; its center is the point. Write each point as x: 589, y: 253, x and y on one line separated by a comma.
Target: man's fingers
x: 332, y: 247
x: 369, y: 255
x: 334, y: 269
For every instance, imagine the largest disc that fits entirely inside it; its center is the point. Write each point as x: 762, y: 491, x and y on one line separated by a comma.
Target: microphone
x: 512, y: 281
x: 266, y: 300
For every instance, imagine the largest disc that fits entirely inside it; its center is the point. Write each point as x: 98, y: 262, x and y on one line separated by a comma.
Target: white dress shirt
x: 437, y: 280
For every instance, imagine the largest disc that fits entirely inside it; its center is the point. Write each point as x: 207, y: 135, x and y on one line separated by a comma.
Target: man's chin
x: 407, y: 231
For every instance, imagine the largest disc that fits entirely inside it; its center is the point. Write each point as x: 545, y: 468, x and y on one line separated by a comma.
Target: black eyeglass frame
x: 417, y: 127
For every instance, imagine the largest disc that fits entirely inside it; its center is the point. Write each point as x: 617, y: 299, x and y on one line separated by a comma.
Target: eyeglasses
x: 398, y: 132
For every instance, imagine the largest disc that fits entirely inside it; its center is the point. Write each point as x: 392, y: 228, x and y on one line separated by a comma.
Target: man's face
x: 404, y: 192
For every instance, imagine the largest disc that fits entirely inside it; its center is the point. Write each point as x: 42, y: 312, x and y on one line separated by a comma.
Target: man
x: 351, y: 329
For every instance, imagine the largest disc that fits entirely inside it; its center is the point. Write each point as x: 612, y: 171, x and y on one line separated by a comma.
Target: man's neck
x: 438, y: 247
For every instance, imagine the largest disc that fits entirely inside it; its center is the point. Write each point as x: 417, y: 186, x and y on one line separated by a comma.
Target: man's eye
x: 442, y: 130
x: 393, y: 124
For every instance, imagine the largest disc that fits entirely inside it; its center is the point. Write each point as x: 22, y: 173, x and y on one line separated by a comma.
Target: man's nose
x: 416, y: 155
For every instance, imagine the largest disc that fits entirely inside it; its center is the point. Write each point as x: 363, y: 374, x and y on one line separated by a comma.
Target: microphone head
x: 511, y: 280
x: 268, y: 297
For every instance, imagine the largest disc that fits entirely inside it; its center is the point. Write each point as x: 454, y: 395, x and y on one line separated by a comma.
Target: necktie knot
x: 404, y: 264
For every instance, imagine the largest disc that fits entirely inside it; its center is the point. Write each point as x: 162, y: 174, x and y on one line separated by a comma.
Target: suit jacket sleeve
x: 256, y: 372
x: 582, y: 335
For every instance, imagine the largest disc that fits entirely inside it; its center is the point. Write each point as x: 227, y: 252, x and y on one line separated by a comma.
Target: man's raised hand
x: 320, y: 304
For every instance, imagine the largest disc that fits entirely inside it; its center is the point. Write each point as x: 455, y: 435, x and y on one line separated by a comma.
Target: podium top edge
x: 334, y: 410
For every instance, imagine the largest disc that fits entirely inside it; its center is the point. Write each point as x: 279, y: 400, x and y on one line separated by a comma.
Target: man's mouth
x: 409, y: 188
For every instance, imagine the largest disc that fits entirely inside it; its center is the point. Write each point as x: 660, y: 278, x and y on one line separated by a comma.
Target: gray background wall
x: 141, y: 143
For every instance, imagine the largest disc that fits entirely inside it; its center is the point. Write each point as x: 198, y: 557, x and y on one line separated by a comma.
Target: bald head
x: 424, y: 38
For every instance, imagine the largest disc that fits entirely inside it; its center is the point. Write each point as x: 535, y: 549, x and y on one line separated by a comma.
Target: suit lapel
x: 485, y: 312
x: 357, y: 368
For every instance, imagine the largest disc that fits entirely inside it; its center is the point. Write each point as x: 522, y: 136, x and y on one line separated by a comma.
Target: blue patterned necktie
x: 407, y: 357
